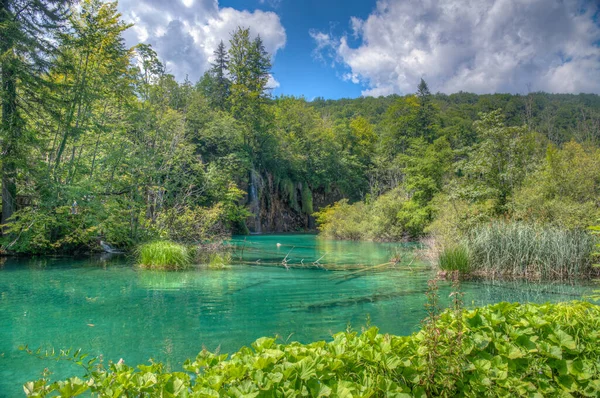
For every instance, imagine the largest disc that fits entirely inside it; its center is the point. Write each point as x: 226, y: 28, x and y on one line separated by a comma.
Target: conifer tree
x: 220, y: 86
x: 260, y: 67
x: 426, y: 113
x: 27, y: 30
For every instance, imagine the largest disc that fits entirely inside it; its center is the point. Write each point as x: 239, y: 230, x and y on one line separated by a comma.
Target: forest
x: 100, y: 142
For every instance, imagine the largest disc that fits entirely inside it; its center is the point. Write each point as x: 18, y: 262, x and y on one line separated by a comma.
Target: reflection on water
x: 301, y: 250
x: 107, y: 307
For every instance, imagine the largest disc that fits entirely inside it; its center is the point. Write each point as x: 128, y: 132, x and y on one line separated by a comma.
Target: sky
x: 352, y: 48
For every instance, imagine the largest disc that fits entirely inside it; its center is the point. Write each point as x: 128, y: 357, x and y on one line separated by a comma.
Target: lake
x: 107, y: 307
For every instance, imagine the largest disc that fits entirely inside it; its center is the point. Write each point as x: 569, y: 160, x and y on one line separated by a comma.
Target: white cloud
x: 472, y: 45
x: 185, y: 33
x: 272, y: 3
x: 272, y: 83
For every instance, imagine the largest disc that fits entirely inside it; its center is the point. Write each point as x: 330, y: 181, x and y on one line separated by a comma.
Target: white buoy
x: 279, y: 245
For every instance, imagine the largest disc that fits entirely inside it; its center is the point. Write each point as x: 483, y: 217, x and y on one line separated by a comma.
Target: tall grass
x: 163, y: 255
x: 455, y: 259
x: 518, y: 249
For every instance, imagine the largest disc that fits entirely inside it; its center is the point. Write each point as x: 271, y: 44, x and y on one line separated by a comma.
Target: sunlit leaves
x: 501, y: 356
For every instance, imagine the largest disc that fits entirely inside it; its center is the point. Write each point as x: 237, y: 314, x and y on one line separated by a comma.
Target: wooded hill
x: 99, y: 141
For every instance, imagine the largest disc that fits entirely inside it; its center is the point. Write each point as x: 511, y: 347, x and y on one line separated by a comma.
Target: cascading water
x: 253, y: 201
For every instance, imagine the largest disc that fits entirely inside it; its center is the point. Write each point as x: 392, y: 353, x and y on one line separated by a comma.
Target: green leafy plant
x: 163, y: 255
x: 500, y: 350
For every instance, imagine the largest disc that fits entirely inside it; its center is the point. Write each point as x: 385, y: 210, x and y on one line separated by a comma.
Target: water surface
x: 107, y: 307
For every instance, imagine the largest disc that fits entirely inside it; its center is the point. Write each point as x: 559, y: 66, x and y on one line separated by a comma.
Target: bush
x: 455, y: 259
x: 378, y: 220
x: 564, y: 191
x: 504, y: 350
x: 518, y: 249
x: 219, y: 260
x: 164, y: 255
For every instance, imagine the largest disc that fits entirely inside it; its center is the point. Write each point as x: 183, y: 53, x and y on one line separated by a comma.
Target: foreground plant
x: 504, y: 349
x: 163, y: 255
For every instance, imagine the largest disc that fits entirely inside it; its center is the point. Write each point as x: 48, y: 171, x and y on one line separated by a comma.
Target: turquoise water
x: 107, y: 307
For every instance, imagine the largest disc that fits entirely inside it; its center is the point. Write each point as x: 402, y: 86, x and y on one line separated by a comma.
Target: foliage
x: 499, y: 162
x: 163, y: 255
x: 98, y: 141
x: 455, y: 259
x: 504, y: 350
x: 29, y: 32
x: 565, y: 190
x: 219, y: 260
x: 519, y: 249
x: 374, y: 220
x: 595, y: 230
x: 454, y: 217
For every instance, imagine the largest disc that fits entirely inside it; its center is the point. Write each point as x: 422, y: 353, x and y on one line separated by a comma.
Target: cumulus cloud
x: 185, y: 33
x: 480, y: 46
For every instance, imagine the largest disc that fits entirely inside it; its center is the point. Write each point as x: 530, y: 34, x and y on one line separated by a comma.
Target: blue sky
x: 295, y: 67
x: 337, y: 48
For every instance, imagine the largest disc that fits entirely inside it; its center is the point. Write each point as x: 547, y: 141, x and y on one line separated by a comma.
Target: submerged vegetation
x: 163, y: 255
x: 500, y: 350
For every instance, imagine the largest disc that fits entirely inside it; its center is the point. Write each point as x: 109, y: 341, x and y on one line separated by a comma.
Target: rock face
x: 281, y: 205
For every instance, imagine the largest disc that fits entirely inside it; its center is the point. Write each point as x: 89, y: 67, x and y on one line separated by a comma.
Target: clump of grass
x: 215, y: 254
x: 455, y: 258
x: 219, y: 260
x: 163, y: 255
x: 526, y: 250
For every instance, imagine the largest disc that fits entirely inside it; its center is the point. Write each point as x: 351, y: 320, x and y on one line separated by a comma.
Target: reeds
x: 163, y: 255
x: 455, y: 259
x: 526, y: 250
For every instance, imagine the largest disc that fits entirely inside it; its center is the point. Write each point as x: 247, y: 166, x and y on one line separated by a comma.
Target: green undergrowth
x: 502, y: 350
x: 163, y: 255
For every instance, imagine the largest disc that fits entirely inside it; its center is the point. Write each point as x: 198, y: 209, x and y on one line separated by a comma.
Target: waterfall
x: 253, y: 200
x: 108, y: 248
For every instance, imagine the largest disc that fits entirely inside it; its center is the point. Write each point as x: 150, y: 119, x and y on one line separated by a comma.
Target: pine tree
x: 220, y: 87
x: 27, y: 30
x: 426, y: 114
x: 260, y: 67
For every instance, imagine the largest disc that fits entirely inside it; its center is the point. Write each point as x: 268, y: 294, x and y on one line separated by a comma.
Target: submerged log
x: 346, y: 302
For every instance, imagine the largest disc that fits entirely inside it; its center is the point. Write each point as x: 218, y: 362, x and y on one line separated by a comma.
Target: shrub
x: 379, y: 219
x: 518, y: 249
x: 564, y: 191
x: 163, y: 255
x: 505, y: 350
x: 219, y: 260
x: 455, y: 259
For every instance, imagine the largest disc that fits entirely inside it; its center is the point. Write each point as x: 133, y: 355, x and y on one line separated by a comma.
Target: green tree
x: 499, y: 163
x: 564, y: 191
x: 426, y: 115
x: 219, y: 90
x: 27, y: 32
x: 249, y: 67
